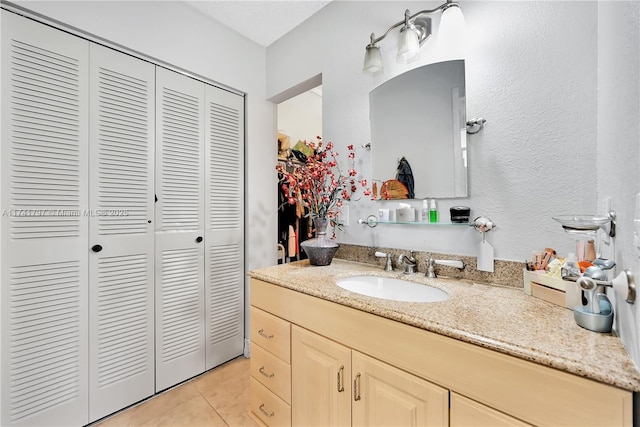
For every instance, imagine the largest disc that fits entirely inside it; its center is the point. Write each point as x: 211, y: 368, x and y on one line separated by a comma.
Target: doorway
x: 299, y: 120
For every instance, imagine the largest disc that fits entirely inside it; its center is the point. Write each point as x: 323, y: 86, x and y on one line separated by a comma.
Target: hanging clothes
x: 292, y: 224
x: 405, y: 176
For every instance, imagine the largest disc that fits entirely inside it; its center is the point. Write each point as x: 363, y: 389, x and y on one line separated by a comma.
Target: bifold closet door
x: 224, y: 258
x: 121, y: 231
x: 179, y: 265
x: 44, y: 160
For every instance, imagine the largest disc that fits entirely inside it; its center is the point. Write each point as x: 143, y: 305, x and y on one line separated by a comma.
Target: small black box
x: 460, y: 214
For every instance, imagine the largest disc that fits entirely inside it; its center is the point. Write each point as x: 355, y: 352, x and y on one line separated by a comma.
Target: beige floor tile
x: 194, y: 412
x: 219, y: 398
x: 152, y: 408
x: 226, y: 388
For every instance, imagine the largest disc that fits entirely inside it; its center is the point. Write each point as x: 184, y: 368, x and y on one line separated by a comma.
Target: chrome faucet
x: 410, y: 263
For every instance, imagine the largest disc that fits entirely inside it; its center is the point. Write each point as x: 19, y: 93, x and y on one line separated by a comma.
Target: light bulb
x: 451, y: 34
x: 372, y: 60
x: 408, y: 45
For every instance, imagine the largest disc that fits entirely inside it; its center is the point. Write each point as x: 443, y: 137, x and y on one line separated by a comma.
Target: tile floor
x: 218, y: 398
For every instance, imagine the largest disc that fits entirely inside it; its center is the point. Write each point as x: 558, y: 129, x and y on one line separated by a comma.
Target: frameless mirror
x: 420, y: 115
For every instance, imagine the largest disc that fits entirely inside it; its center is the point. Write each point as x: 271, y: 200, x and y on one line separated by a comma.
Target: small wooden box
x: 556, y: 291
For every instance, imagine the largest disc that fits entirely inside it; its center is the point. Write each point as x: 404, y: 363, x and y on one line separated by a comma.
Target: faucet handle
x: 456, y: 263
x: 389, y: 264
x: 431, y: 268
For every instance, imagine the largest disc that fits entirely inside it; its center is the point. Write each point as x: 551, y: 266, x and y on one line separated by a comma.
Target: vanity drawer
x: 268, y: 407
x: 273, y: 373
x: 271, y: 333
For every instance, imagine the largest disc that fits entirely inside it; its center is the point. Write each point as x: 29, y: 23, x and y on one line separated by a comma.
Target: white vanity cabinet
x: 395, y: 360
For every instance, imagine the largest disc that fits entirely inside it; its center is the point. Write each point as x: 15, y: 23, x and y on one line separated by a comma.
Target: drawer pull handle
x: 356, y: 388
x: 263, y: 334
x: 268, y: 414
x: 263, y: 372
x: 340, y: 376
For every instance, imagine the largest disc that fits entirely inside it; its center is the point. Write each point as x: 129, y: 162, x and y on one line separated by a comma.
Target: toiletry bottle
x: 433, y: 211
x: 590, y: 251
x: 425, y: 211
x: 571, y: 265
x: 580, y: 246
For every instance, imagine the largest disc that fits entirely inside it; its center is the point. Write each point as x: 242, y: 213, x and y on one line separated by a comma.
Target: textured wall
x: 619, y: 144
x: 531, y: 72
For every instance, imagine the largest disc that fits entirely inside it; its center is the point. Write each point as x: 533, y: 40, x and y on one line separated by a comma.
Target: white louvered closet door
x: 121, y: 234
x: 224, y: 257
x: 44, y: 373
x: 179, y: 266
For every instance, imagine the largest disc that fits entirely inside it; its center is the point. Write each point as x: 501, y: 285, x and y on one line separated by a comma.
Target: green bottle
x: 433, y: 211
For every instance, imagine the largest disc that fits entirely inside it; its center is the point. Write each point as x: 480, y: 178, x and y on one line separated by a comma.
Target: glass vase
x: 320, y: 249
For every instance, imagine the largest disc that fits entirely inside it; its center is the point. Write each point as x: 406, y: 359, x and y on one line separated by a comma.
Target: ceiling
x: 263, y: 21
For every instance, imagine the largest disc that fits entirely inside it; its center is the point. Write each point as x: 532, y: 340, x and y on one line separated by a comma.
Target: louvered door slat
x: 225, y: 299
x: 181, y: 157
x: 122, y: 98
x: 226, y: 157
x: 180, y: 349
x: 224, y: 261
x: 44, y: 141
x: 43, y: 233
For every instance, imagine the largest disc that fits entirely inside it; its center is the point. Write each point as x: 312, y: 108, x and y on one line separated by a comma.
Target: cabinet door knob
x: 96, y: 248
x: 199, y: 239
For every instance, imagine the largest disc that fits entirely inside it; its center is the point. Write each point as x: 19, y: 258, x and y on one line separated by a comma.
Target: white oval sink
x: 392, y: 289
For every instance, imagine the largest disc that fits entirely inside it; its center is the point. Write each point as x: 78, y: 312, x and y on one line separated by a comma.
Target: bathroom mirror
x: 420, y: 115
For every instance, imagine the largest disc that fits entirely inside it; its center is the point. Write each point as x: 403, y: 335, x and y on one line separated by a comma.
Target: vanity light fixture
x: 414, y: 31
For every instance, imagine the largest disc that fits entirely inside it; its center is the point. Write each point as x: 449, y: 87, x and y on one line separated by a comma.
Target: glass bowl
x: 574, y: 223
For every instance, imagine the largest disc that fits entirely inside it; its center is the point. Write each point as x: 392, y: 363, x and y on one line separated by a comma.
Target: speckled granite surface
x: 500, y: 318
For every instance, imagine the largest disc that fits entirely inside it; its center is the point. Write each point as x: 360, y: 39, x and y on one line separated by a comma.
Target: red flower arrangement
x: 319, y: 184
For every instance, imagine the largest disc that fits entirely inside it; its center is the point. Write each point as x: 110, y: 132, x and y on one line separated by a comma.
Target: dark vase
x: 320, y: 249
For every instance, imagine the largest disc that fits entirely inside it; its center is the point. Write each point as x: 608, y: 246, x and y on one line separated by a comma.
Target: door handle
x: 199, y: 239
x: 96, y: 248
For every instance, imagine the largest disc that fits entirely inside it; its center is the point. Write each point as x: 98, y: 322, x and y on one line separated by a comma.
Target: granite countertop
x: 499, y: 318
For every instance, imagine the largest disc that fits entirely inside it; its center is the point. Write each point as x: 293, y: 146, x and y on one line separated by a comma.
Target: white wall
x: 176, y: 34
x: 618, y: 166
x: 300, y: 117
x: 531, y: 72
